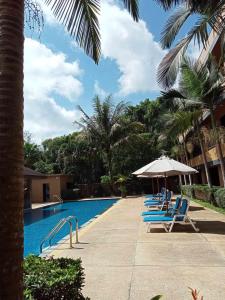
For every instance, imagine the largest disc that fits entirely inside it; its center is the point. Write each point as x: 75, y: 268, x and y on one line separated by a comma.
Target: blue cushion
x: 152, y: 213
x: 152, y: 201
x: 153, y: 198
x: 158, y: 219
x: 153, y: 204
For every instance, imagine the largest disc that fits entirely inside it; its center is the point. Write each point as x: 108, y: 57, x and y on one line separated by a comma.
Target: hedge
x: 203, y: 192
x: 220, y: 197
x: 61, y: 278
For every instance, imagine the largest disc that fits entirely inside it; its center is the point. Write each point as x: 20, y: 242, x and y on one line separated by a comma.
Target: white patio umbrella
x: 165, y: 166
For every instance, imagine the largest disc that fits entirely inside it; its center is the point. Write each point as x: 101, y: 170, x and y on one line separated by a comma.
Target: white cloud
x: 133, y: 48
x: 98, y: 90
x: 48, y: 77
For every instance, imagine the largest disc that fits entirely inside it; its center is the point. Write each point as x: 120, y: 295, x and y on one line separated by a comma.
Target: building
x: 29, y: 176
x: 40, y: 188
x: 195, y: 158
x: 50, y: 187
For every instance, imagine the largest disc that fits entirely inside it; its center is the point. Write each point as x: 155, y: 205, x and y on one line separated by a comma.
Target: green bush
x: 55, y: 279
x: 201, y: 192
x: 187, y: 190
x: 105, y: 179
x: 220, y: 197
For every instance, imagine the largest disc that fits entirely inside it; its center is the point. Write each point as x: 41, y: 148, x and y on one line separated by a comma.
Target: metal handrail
x: 59, y: 198
x: 58, y: 227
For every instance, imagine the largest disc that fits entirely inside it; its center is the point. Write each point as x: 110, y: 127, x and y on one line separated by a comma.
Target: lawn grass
x: 209, y: 205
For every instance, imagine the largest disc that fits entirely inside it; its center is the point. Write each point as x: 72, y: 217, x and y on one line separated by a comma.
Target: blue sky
x: 59, y: 76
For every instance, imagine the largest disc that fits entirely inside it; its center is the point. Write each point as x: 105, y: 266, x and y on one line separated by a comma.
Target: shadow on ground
x: 196, y: 208
x: 213, y: 227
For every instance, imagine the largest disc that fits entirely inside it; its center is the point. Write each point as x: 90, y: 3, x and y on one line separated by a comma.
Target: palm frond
x: 192, y: 78
x: 132, y: 7
x: 171, y: 94
x: 169, y: 66
x: 80, y: 17
x: 195, y: 5
x: 168, y: 4
x: 173, y: 26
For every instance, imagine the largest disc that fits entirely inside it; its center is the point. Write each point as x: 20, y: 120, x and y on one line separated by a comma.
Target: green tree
x: 210, y: 16
x: 201, y: 87
x: 32, y: 152
x: 81, y: 20
x: 107, y: 128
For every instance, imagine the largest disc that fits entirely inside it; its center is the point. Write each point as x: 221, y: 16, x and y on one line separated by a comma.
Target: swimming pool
x: 38, y: 222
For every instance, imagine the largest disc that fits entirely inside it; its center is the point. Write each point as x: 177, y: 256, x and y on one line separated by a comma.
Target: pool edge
x: 56, y: 249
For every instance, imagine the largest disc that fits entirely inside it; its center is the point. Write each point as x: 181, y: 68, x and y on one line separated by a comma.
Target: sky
x: 58, y: 75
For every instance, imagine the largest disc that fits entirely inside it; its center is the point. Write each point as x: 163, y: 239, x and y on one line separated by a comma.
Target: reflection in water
x: 40, y: 214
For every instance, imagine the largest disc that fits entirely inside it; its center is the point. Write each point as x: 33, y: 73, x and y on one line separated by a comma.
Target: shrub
x: 220, y: 197
x: 187, y: 190
x: 61, y: 278
x: 105, y: 179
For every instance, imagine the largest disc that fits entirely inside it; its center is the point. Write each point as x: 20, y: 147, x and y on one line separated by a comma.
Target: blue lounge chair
x: 155, y: 196
x: 165, y: 198
x: 168, y: 222
x: 171, y: 210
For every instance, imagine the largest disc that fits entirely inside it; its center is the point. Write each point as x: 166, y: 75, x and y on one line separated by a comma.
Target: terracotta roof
x: 30, y: 172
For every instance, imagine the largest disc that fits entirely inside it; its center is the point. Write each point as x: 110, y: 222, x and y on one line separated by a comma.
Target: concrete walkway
x: 124, y: 262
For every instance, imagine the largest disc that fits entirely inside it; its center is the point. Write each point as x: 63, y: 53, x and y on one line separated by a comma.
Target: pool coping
x: 49, y: 251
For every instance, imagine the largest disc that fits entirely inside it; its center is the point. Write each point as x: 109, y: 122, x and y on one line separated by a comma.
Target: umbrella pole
x: 158, y: 184
x: 166, y: 194
x: 152, y: 186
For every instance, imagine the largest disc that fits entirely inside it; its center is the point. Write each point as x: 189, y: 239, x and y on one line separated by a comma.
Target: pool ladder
x: 57, y: 228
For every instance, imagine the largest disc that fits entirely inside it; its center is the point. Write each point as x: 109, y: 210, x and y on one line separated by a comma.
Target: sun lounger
x: 155, y: 196
x: 171, y: 210
x: 169, y: 220
x: 165, y: 198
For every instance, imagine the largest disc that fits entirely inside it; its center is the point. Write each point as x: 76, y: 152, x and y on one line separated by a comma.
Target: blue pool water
x: 39, y: 222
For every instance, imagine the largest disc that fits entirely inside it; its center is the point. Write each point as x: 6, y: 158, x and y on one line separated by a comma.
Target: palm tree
x: 211, y: 15
x: 205, y: 85
x: 107, y: 128
x: 81, y: 20
x: 201, y: 88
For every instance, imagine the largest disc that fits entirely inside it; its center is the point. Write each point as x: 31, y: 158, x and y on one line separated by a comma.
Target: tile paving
x: 124, y: 262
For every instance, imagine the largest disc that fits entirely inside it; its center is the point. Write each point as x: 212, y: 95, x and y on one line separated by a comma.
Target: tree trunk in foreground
x: 11, y: 148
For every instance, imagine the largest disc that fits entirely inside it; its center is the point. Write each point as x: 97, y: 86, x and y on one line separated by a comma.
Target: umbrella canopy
x: 150, y: 176
x: 165, y: 166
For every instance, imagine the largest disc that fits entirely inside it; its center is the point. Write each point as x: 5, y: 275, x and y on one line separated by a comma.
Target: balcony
x: 211, y: 155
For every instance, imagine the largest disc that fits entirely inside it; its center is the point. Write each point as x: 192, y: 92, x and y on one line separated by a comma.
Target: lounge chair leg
x: 192, y: 224
x: 171, y: 226
x: 149, y: 228
x: 165, y: 227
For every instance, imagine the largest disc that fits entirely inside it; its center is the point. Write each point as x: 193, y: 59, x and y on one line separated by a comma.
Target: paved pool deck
x: 124, y: 262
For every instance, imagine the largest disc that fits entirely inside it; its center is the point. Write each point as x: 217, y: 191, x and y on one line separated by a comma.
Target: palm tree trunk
x: 186, y: 158
x: 11, y: 148
x: 109, y: 163
x: 204, y: 156
x: 218, y: 144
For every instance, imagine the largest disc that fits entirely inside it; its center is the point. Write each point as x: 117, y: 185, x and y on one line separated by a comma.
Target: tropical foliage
x: 114, y: 140
x: 210, y: 15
